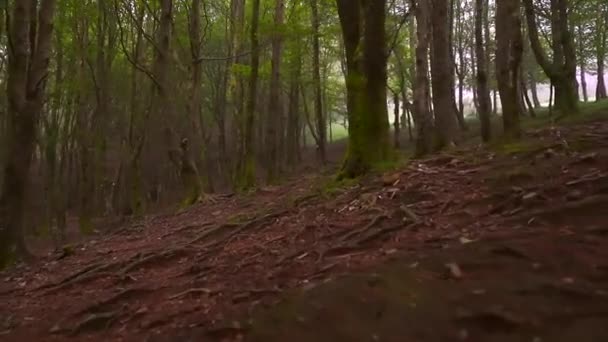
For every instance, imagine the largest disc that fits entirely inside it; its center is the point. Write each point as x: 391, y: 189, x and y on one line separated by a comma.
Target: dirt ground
x: 507, y: 243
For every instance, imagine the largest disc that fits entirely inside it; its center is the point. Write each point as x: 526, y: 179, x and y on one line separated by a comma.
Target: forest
x: 160, y: 159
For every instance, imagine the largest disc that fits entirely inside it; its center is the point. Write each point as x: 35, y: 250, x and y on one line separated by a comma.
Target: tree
x: 422, y: 114
x: 27, y: 73
x: 363, y: 30
x: 509, y: 50
x: 601, y: 43
x: 483, y: 92
x: 246, y: 166
x: 274, y: 102
x: 562, y: 69
x: 442, y: 76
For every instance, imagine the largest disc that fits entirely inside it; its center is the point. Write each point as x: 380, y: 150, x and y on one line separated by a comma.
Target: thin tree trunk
x: 246, y: 169
x: 274, y: 102
x: 396, y: 123
x: 320, y: 119
x: 483, y: 93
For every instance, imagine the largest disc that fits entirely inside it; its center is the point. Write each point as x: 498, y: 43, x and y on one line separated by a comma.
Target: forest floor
x: 505, y: 243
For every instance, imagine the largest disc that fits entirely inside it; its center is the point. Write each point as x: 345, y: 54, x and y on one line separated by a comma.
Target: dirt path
x: 507, y: 245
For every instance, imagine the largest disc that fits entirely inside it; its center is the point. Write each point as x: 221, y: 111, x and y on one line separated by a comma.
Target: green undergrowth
x: 589, y: 112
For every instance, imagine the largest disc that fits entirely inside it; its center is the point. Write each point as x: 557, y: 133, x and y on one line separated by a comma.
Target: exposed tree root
x: 145, y: 260
x: 380, y: 234
x: 71, y: 277
x: 94, y: 322
x: 120, y: 296
x: 197, y: 290
x: 375, y: 221
x: 186, y: 228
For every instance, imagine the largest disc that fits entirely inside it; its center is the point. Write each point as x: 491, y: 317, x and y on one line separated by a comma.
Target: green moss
x: 85, y: 225
x: 334, y: 186
x: 245, y: 178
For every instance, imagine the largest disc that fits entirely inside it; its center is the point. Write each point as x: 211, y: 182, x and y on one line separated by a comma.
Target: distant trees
x: 119, y: 107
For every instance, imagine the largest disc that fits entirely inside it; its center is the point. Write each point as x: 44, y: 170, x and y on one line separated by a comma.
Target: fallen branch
x: 376, y: 220
x: 186, y: 228
x: 380, y: 233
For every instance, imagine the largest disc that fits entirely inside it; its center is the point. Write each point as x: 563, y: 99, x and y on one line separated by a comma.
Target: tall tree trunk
x: 508, y: 60
x: 25, y: 92
x: 274, y: 102
x: 483, y: 93
x: 246, y: 169
x: 562, y: 70
x: 442, y: 76
x: 316, y: 76
x: 363, y: 29
x: 422, y: 114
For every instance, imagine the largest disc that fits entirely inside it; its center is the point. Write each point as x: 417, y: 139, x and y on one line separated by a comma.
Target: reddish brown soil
x: 475, y: 245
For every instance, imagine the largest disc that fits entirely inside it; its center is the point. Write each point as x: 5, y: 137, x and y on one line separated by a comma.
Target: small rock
x: 568, y: 280
x: 574, y: 195
x: 463, y: 240
x: 55, y: 329
x: 588, y: 158
x: 454, y: 270
x: 529, y: 197
x: 463, y: 334
x: 390, y: 179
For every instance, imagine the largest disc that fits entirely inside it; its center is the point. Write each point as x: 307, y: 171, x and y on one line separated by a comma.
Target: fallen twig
x: 197, y: 290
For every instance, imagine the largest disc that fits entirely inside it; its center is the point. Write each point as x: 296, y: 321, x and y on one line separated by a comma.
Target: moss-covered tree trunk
x: 363, y: 29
